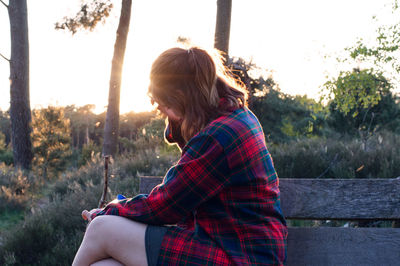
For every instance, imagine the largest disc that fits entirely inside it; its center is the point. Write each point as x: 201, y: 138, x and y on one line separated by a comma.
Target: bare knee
x: 94, y: 234
x: 96, y: 227
x: 93, y: 247
x: 119, y: 238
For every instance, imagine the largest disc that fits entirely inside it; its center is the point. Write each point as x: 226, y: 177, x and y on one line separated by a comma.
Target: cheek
x: 162, y: 110
x: 172, y: 115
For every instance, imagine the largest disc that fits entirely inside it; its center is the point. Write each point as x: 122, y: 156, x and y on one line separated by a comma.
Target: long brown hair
x: 197, y: 85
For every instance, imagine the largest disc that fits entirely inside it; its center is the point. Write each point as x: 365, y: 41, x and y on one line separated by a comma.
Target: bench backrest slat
x: 341, y: 199
x: 331, y: 199
x: 336, y: 199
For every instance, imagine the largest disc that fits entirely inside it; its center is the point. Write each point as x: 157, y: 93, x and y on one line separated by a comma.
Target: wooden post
x: 102, y: 201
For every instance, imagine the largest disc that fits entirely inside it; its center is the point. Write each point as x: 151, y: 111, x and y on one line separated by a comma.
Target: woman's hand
x: 87, y: 215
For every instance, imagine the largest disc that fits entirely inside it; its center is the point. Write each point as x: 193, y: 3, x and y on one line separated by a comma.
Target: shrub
x: 339, y: 158
x: 52, y: 234
x: 15, y: 186
x: 51, y: 141
x: 88, y: 151
x: 6, y: 155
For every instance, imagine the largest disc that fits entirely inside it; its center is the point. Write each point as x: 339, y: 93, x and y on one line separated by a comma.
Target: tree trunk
x: 111, y: 127
x: 20, y: 112
x: 78, y: 138
x: 87, y: 135
x: 223, y: 26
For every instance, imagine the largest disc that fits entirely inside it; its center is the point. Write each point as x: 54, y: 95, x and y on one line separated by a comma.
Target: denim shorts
x: 153, y: 239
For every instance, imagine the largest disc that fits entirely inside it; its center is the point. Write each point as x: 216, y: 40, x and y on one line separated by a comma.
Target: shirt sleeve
x: 201, y: 173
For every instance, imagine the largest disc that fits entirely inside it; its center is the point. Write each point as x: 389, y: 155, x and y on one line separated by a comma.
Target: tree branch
x: 4, y: 3
x: 4, y: 56
x: 329, y: 167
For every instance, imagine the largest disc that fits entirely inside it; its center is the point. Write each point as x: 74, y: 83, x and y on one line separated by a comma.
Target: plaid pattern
x: 223, y: 195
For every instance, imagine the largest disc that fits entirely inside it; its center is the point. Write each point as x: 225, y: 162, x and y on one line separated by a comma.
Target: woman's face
x: 167, y: 111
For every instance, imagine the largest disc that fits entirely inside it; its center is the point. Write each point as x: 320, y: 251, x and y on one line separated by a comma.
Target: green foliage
x: 51, y: 141
x: 386, y: 49
x: 88, y: 152
x: 8, y: 218
x: 133, y: 131
x: 84, y: 124
x: 15, y: 187
x: 383, y: 116
x: 90, y: 14
x: 357, y: 90
x: 361, y: 101
x: 85, y: 130
x: 6, y: 155
x: 5, y: 126
x: 52, y: 234
x: 285, y: 117
x: 302, y: 136
x: 131, y: 123
x: 153, y: 137
x: 339, y: 158
x: 154, y: 129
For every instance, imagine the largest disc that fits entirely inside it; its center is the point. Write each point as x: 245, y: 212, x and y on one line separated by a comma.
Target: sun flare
x: 134, y: 90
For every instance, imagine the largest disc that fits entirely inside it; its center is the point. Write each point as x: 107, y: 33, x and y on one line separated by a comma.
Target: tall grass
x: 378, y: 157
x: 52, y: 232
x: 15, y: 188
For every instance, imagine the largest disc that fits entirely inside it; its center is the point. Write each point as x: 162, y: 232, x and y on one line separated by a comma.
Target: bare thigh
x: 114, y: 237
x: 107, y: 262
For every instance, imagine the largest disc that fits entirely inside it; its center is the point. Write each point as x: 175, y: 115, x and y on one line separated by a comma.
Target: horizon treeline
x: 68, y: 136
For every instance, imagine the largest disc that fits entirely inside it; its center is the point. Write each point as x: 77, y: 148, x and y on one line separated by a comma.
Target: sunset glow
x: 295, y: 41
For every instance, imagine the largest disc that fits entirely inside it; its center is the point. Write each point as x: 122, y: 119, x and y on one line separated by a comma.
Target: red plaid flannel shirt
x: 223, y: 195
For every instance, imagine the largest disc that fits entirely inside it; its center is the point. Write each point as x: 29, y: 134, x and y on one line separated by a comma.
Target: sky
x: 294, y: 41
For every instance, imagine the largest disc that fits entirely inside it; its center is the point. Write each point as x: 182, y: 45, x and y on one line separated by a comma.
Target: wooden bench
x: 337, y: 199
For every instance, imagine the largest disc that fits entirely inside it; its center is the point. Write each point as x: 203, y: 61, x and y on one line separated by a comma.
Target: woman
x: 221, y: 198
